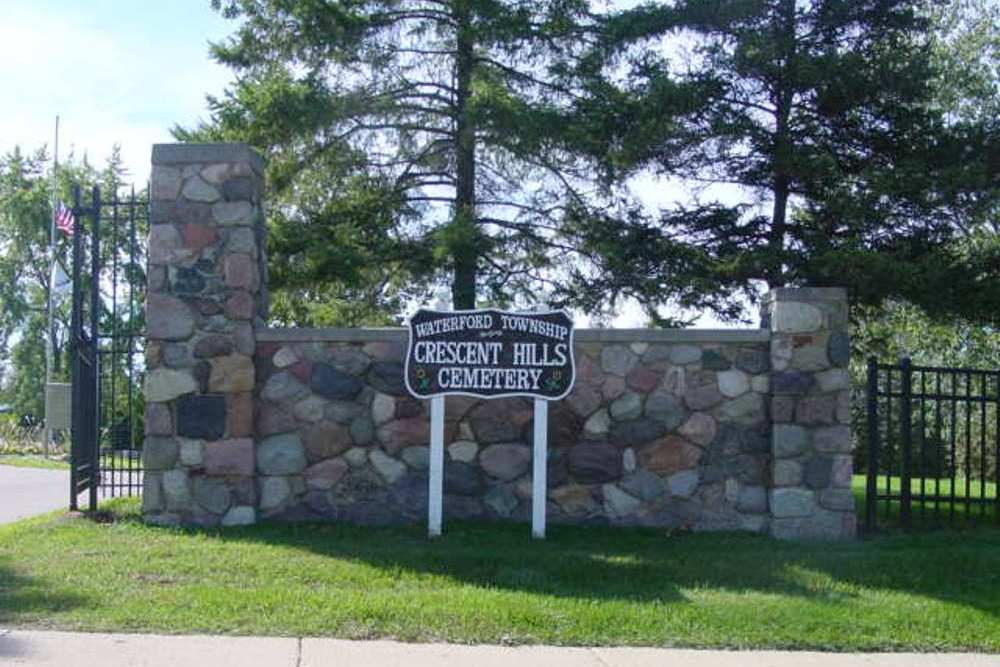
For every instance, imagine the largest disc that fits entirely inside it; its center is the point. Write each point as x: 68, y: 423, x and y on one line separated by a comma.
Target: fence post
x: 906, y: 432
x: 871, y: 495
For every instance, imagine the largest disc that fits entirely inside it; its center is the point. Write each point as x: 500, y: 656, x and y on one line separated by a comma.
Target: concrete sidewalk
x: 62, y: 649
x: 25, y: 492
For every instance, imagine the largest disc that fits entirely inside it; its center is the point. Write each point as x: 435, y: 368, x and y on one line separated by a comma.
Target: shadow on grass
x: 646, y: 565
x: 24, y: 600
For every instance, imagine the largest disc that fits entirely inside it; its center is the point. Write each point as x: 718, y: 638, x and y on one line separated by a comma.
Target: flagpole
x: 49, y: 349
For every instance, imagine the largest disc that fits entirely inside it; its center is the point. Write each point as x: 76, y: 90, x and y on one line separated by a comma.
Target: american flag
x: 64, y: 220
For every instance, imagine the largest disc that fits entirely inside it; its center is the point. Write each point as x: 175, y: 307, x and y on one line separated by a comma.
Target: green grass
x: 928, y: 514
x: 31, y: 461
x: 492, y: 583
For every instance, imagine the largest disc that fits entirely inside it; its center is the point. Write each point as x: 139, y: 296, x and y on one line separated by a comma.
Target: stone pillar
x: 810, y: 413
x: 205, y: 295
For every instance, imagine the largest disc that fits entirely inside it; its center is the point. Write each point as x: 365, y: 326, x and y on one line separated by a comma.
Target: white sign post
x: 436, y: 490
x: 539, y: 473
x: 489, y: 354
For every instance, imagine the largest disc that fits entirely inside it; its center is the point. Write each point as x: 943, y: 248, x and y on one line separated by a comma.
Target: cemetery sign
x: 490, y: 353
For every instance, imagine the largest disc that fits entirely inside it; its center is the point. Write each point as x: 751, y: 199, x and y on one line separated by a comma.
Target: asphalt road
x: 26, y: 492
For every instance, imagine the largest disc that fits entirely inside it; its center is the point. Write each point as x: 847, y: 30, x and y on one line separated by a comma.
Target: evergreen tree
x: 407, y: 136
x: 820, y: 116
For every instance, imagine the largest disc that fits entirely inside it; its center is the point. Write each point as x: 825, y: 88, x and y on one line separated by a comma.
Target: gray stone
x: 701, y: 390
x: 840, y: 500
x: 176, y: 492
x: 617, y: 360
x: 349, y: 359
x: 166, y: 384
x: 211, y: 494
x: 309, y: 409
x: 229, y: 457
x: 748, y: 408
x: 242, y: 239
x: 656, y: 353
x: 628, y: 406
x: 629, y: 462
x: 505, y: 461
x: 643, y: 485
x: 463, y: 450
x: 753, y: 361
x: 417, y: 457
x: 274, y: 492
x: 165, y: 246
x: 617, y: 503
x: 240, y: 516
x: 685, y: 354
x: 752, y: 500
x: 789, y: 440
x: 821, y: 525
x: 733, y: 383
x: 462, y: 479
x: 791, y: 382
x: 191, y: 452
x: 683, y: 484
x: 760, y: 384
x: 714, y: 360
x: 196, y: 189
x: 792, y: 502
x: 281, y: 454
x: 213, y: 346
x: 810, y: 357
x: 283, y: 386
x: 383, y: 408
x: 331, y: 383
x: 165, y: 183
x: 343, y: 412
x: 816, y: 409
x: 501, y: 500
x: 159, y: 453
x: 635, y: 432
x: 387, y: 377
x: 362, y: 431
x: 787, y: 473
x: 816, y: 472
x: 387, y: 467
x: 839, y: 349
x: 598, y: 423
x: 325, y: 474
x: 152, y: 492
x: 356, y: 456
x: 168, y: 318
x: 239, y: 189
x: 796, y: 317
x: 833, y: 379
x: 639, y: 348
x: 229, y: 213
x: 284, y: 357
x: 594, y: 463
x: 201, y: 417
x: 665, y: 408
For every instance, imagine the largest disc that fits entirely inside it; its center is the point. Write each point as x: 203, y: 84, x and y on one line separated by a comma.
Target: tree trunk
x: 784, y: 94
x: 465, y: 233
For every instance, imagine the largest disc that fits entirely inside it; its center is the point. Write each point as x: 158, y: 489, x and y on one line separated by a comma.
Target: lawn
x: 32, y: 461
x: 492, y: 583
x: 930, y: 514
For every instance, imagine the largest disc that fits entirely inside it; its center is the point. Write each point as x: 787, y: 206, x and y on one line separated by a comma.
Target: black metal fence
x: 109, y: 286
x: 933, y: 444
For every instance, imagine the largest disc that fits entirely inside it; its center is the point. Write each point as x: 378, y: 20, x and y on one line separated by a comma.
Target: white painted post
x: 539, y: 483
x: 436, y: 467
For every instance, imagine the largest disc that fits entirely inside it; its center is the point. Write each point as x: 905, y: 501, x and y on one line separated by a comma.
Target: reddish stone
x: 207, y: 307
x: 613, y: 387
x: 326, y: 439
x: 213, y: 346
x: 302, y: 370
x: 325, y: 474
x: 240, y: 271
x: 266, y: 350
x: 198, y: 237
x: 229, y: 457
x: 154, y: 354
x: 385, y: 351
x: 642, y: 380
x: 240, y: 306
x: 402, y: 433
x: 239, y: 415
x: 669, y: 455
x: 272, y: 419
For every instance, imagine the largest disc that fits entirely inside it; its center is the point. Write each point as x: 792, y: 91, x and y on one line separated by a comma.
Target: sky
x: 124, y: 72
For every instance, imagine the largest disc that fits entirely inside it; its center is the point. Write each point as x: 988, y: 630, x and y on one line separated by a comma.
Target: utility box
x: 58, y: 406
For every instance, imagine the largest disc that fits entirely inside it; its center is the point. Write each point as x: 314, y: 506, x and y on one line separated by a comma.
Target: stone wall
x: 655, y: 432
x: 707, y: 430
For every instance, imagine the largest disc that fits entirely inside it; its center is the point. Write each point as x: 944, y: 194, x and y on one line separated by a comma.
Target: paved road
x: 26, y: 492
x: 59, y: 649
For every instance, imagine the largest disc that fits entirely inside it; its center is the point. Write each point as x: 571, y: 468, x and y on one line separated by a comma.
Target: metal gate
x: 933, y: 445
x: 107, y: 346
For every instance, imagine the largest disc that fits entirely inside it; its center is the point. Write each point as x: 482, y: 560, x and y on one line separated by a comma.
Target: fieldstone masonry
x: 206, y: 299
x: 705, y: 430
